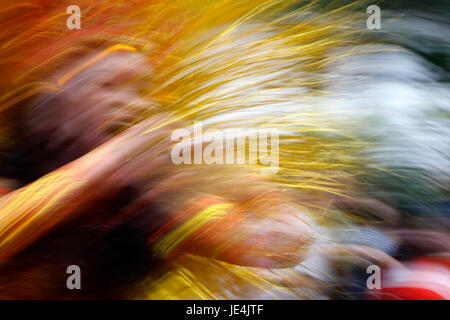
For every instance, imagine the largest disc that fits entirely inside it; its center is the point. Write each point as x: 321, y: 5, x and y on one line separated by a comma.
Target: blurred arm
x: 255, y: 226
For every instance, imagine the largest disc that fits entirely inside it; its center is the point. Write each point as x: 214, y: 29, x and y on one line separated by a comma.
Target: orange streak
x: 93, y: 60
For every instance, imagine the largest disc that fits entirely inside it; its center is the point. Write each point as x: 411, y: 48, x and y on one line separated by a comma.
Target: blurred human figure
x: 86, y: 202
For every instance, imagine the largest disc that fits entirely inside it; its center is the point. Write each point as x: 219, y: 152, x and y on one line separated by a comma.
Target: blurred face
x: 103, y: 98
